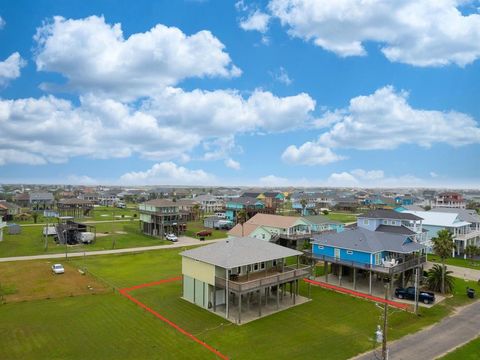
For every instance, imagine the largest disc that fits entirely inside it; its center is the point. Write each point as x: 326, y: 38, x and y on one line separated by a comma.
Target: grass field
x: 342, y: 217
x: 466, y: 263
x: 470, y: 351
x: 107, y: 326
x: 195, y: 226
x: 30, y: 280
x: 116, y: 235
x: 99, y: 213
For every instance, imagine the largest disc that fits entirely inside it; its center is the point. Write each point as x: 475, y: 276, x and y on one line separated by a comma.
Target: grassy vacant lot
x: 342, y: 217
x: 466, y: 263
x: 30, y: 280
x: 195, y: 226
x: 99, y: 213
x: 109, y: 235
x: 332, y: 326
x: 470, y: 351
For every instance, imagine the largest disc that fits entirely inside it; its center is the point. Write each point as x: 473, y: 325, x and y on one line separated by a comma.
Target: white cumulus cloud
x: 167, y: 173
x: 256, y: 21
x: 310, y: 154
x: 94, y: 56
x: 381, y: 121
x: 420, y: 33
x: 232, y: 164
x: 10, y: 68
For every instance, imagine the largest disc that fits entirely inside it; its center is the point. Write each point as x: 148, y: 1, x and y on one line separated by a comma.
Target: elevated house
x: 209, y: 203
x: 37, y: 200
x: 464, y: 232
x: 8, y: 210
x: 357, y: 255
x: 93, y: 197
x: 449, y: 200
x: 273, y: 199
x: 160, y: 216
x: 215, y: 222
x: 189, y: 209
x: 288, y: 231
x: 74, y: 207
x: 467, y: 215
x: 390, y: 221
x: 250, y: 205
x: 321, y: 223
x: 242, y: 279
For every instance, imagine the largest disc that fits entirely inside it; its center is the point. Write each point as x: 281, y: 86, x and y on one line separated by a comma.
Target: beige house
x: 242, y: 278
x: 289, y: 231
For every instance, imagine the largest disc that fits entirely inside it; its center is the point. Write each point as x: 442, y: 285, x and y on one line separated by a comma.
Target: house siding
x: 356, y: 256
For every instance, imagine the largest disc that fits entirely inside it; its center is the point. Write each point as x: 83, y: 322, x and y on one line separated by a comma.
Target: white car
x: 58, y: 269
x: 171, y: 237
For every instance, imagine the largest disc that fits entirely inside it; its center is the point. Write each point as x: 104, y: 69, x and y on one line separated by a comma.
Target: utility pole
x: 385, y: 324
x: 416, y: 289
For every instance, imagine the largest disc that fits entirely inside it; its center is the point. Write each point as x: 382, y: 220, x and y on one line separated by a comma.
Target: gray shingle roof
x: 367, y: 241
x: 239, y: 251
x: 389, y: 214
x: 395, y: 230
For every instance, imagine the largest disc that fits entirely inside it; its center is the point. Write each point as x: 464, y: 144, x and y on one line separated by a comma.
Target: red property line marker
x: 125, y: 293
x: 358, y: 294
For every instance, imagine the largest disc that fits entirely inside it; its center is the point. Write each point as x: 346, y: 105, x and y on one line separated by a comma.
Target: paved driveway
x: 435, y: 341
x: 459, y: 272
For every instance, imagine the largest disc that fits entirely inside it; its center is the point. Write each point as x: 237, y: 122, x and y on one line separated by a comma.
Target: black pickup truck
x: 408, y: 293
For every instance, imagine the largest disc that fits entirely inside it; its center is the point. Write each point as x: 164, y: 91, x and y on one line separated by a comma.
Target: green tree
x: 427, y: 207
x: 35, y: 217
x: 304, y: 203
x: 241, y: 218
x: 443, y: 246
x: 472, y: 250
x: 196, y: 211
x: 438, y: 279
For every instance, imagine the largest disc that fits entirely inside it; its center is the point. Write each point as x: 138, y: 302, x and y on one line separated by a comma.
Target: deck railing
x: 288, y: 274
x: 400, y: 267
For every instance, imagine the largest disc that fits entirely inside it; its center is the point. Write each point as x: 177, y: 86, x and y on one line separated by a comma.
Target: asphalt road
x: 435, y: 341
x: 459, y: 272
x: 182, y: 242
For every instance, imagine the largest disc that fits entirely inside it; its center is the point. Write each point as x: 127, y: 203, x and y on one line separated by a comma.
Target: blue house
x: 361, y: 252
x: 249, y: 204
x: 320, y: 223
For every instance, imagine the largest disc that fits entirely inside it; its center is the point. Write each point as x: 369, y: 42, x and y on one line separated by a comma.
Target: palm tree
x: 472, y: 250
x: 304, y: 203
x: 442, y: 247
x: 196, y: 211
x: 241, y: 218
x: 438, y: 278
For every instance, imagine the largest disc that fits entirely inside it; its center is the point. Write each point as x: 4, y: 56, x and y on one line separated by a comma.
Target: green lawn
x: 342, y: 217
x: 195, y: 226
x: 466, y: 263
x: 32, y: 242
x: 100, y: 213
x: 332, y: 325
x: 470, y: 351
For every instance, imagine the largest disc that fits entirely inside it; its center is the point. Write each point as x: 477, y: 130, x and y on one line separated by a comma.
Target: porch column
x: 240, y: 309
x: 278, y: 290
x: 340, y: 270
x: 403, y: 279
x: 370, y: 283
x: 259, y: 302
x: 326, y: 271
x: 294, y: 291
x: 354, y: 278
x: 390, y: 292
x: 214, y: 299
x: 227, y: 295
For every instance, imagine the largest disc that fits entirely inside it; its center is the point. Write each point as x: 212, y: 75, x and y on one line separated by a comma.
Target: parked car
x: 171, y: 237
x: 408, y: 293
x: 58, y: 269
x: 204, y: 233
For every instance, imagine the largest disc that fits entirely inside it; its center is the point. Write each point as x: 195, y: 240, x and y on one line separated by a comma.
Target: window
x: 336, y: 253
x: 274, y: 262
x: 365, y: 222
x: 384, y: 222
x: 320, y: 247
x: 255, y: 267
x: 262, y: 265
x: 239, y: 270
x: 349, y: 252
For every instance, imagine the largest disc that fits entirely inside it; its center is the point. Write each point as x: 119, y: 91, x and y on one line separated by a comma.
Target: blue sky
x: 272, y: 93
